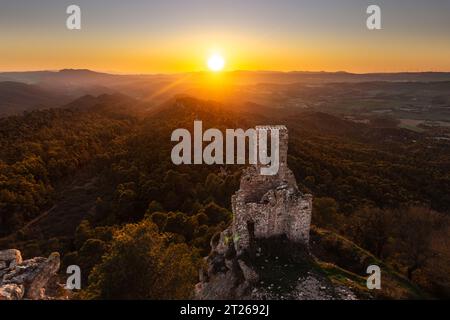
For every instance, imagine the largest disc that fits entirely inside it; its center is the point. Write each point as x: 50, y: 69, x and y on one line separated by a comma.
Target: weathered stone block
x: 11, y: 292
x: 11, y: 255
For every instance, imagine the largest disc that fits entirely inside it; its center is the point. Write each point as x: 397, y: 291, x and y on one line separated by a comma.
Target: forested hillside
x: 102, y: 165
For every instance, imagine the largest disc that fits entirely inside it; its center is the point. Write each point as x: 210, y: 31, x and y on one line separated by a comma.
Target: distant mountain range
x: 82, y: 75
x: 22, y: 91
x: 16, y: 97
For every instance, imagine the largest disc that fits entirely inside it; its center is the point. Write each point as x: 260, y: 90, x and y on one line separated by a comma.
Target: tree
x: 144, y: 264
x: 89, y: 255
x: 216, y: 214
x: 83, y: 232
x: 154, y: 206
x: 159, y: 218
x: 416, y: 228
x: 324, y: 212
x: 373, y: 227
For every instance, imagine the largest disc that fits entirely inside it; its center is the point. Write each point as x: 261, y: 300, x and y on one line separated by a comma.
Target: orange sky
x: 174, y: 36
x: 190, y: 54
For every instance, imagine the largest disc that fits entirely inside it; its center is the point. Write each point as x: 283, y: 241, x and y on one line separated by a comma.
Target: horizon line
x: 221, y: 72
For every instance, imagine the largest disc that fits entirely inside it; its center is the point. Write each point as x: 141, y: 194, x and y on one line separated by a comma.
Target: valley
x: 80, y: 178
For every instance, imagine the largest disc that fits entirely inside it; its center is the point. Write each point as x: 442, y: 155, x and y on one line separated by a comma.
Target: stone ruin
x: 270, y: 206
x: 264, y: 207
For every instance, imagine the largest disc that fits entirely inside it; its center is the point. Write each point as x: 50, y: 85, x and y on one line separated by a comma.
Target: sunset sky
x: 138, y: 36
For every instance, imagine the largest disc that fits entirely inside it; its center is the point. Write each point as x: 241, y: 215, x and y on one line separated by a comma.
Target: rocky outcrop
x: 11, y: 292
x: 26, y: 279
x: 10, y: 258
x: 279, y: 270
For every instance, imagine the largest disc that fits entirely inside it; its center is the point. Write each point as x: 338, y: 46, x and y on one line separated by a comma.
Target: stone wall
x: 266, y: 206
x: 263, y: 207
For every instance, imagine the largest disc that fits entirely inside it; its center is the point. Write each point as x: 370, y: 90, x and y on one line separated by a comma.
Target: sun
x: 216, y: 62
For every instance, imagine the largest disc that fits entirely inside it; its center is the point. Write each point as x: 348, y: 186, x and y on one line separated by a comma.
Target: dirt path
x: 29, y: 224
x: 75, y: 202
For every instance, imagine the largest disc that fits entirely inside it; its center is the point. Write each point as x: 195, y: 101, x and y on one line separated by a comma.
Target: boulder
x: 11, y: 257
x: 23, y: 272
x: 40, y: 279
x: 11, y: 292
x: 26, y: 279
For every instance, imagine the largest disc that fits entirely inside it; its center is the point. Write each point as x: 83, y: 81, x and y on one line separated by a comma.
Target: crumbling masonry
x: 264, y: 207
x: 267, y: 206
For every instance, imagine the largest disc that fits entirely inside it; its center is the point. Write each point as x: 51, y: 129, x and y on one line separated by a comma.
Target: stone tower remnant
x: 268, y: 206
x: 265, y: 206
